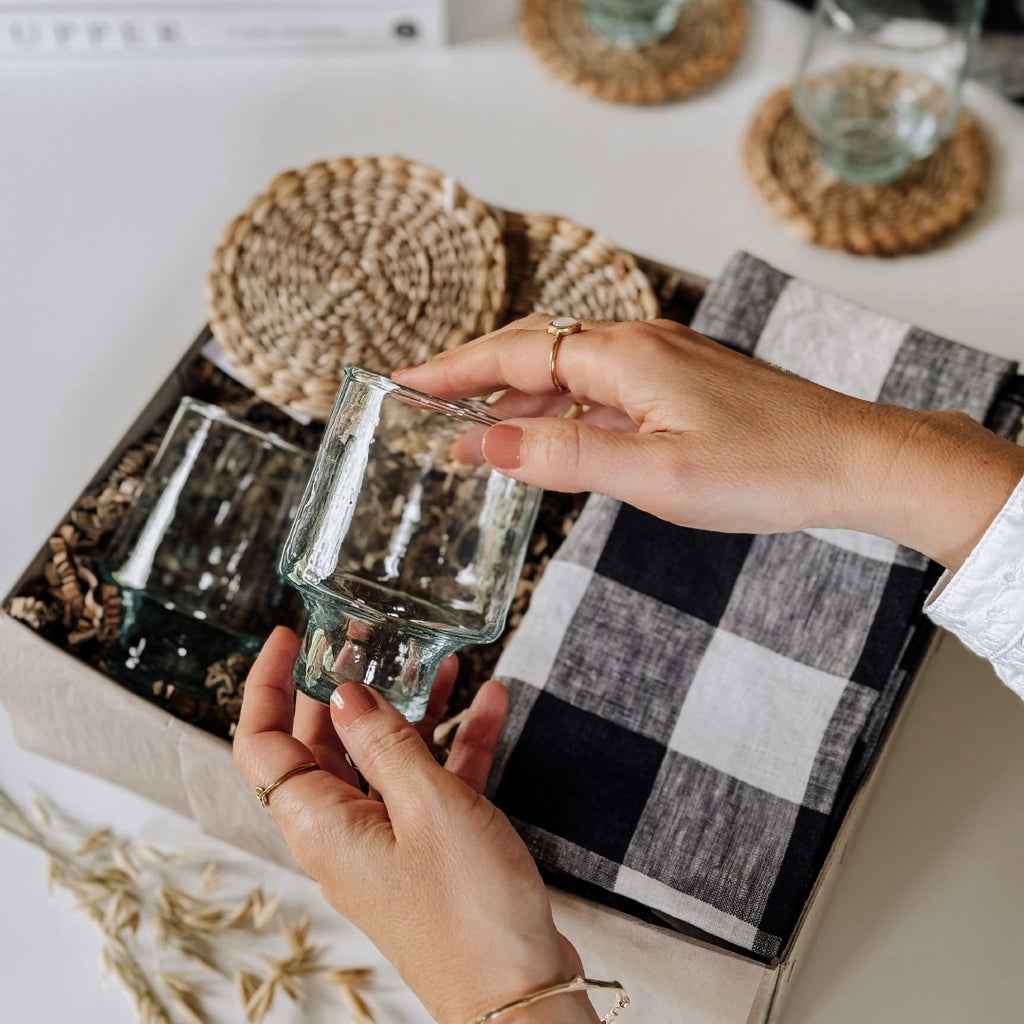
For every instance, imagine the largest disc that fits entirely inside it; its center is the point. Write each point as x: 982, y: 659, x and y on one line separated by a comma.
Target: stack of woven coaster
x: 383, y: 262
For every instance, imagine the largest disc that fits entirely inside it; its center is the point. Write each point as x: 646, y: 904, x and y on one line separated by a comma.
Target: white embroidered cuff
x: 983, y: 601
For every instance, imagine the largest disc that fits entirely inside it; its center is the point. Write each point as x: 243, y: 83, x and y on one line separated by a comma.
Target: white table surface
x: 115, y: 180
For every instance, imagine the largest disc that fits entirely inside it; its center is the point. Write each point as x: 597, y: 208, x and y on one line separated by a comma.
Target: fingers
x: 270, y: 695
x: 314, y: 728
x: 514, y: 405
x: 472, y: 750
x: 594, y: 364
x: 645, y: 470
x: 389, y: 752
x: 439, y: 694
x: 264, y: 747
x: 466, y: 447
x: 517, y: 404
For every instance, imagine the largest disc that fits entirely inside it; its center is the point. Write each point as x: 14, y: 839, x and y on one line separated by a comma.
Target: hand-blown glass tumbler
x: 880, y: 80
x: 402, y: 553
x: 195, y: 558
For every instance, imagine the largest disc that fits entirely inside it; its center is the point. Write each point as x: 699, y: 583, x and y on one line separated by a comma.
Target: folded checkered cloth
x: 691, y: 711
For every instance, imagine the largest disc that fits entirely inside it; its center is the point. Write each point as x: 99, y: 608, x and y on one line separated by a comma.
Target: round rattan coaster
x: 703, y: 46
x: 912, y: 213
x: 556, y: 266
x: 380, y: 262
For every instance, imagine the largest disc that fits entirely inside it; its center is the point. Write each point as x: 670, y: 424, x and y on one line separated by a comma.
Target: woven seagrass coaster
x: 557, y: 266
x: 375, y: 261
x: 912, y: 213
x: 703, y: 46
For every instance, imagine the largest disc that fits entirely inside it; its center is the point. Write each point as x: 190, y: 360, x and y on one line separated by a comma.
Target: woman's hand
x: 703, y: 436
x: 678, y: 425
x: 431, y: 871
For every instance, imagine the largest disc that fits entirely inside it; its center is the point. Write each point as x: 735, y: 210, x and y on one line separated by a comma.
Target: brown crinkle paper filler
x: 69, y: 604
x: 32, y: 611
x: 73, y: 608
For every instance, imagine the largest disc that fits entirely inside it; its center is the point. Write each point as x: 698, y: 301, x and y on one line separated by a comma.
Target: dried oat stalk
x: 168, y: 938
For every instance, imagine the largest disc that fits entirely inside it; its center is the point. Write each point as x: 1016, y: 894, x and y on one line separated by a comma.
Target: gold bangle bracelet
x: 572, y: 985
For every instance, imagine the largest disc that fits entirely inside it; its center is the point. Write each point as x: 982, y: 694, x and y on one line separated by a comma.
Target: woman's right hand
x: 703, y: 436
x: 678, y: 425
x: 425, y: 865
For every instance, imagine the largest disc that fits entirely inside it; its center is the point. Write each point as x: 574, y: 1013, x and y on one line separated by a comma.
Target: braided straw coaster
x: 703, y: 46
x: 379, y: 262
x: 912, y: 213
x: 556, y: 266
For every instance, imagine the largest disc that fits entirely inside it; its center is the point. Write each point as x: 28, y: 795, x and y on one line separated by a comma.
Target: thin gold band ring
x: 263, y: 792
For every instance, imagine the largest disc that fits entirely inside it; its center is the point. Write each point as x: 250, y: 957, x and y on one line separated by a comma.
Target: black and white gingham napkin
x: 692, y: 711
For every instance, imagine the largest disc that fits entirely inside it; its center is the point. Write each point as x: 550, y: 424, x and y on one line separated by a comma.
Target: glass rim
x: 213, y: 411
x: 468, y: 411
x: 957, y: 26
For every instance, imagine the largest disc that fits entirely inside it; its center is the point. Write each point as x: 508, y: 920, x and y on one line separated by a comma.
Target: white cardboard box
x: 64, y: 709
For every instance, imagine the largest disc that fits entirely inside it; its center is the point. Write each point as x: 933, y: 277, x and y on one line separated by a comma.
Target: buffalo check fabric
x: 691, y: 712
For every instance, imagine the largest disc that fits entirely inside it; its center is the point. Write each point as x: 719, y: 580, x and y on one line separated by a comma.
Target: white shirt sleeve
x: 983, y: 601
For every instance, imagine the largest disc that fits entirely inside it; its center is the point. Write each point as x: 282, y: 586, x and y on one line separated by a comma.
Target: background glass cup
x: 402, y: 553
x: 879, y: 81
x: 632, y: 22
x: 195, y: 557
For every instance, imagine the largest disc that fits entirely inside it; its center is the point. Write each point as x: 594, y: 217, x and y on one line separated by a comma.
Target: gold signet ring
x: 560, y: 328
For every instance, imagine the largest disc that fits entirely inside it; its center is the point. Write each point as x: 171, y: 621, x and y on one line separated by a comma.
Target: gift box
x: 65, y: 708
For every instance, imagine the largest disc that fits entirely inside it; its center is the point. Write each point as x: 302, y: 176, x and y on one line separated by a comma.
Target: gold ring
x: 263, y: 792
x: 561, y: 327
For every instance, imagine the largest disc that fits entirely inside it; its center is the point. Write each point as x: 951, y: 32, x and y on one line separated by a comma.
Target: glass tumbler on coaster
x: 402, y: 552
x: 879, y: 82
x: 195, y: 557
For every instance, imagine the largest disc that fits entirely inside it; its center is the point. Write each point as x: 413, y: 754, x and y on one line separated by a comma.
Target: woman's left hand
x: 431, y: 871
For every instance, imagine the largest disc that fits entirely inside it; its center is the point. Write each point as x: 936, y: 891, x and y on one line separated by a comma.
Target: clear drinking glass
x: 195, y: 557
x: 402, y: 553
x: 879, y: 82
x: 633, y: 22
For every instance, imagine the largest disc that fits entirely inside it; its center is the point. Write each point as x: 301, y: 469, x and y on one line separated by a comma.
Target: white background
x: 115, y: 180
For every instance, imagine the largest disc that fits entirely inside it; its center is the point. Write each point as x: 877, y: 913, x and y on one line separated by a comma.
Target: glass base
x: 871, y: 123
x: 399, y: 664
x: 860, y: 170
x: 632, y: 24
x: 157, y: 644
x: 316, y: 682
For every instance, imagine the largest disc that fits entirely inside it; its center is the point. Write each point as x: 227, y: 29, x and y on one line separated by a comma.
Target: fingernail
x: 502, y: 444
x: 400, y: 370
x: 351, y: 701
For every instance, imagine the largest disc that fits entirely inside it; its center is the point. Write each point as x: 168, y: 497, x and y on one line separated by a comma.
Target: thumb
x: 385, y: 747
x: 570, y: 455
